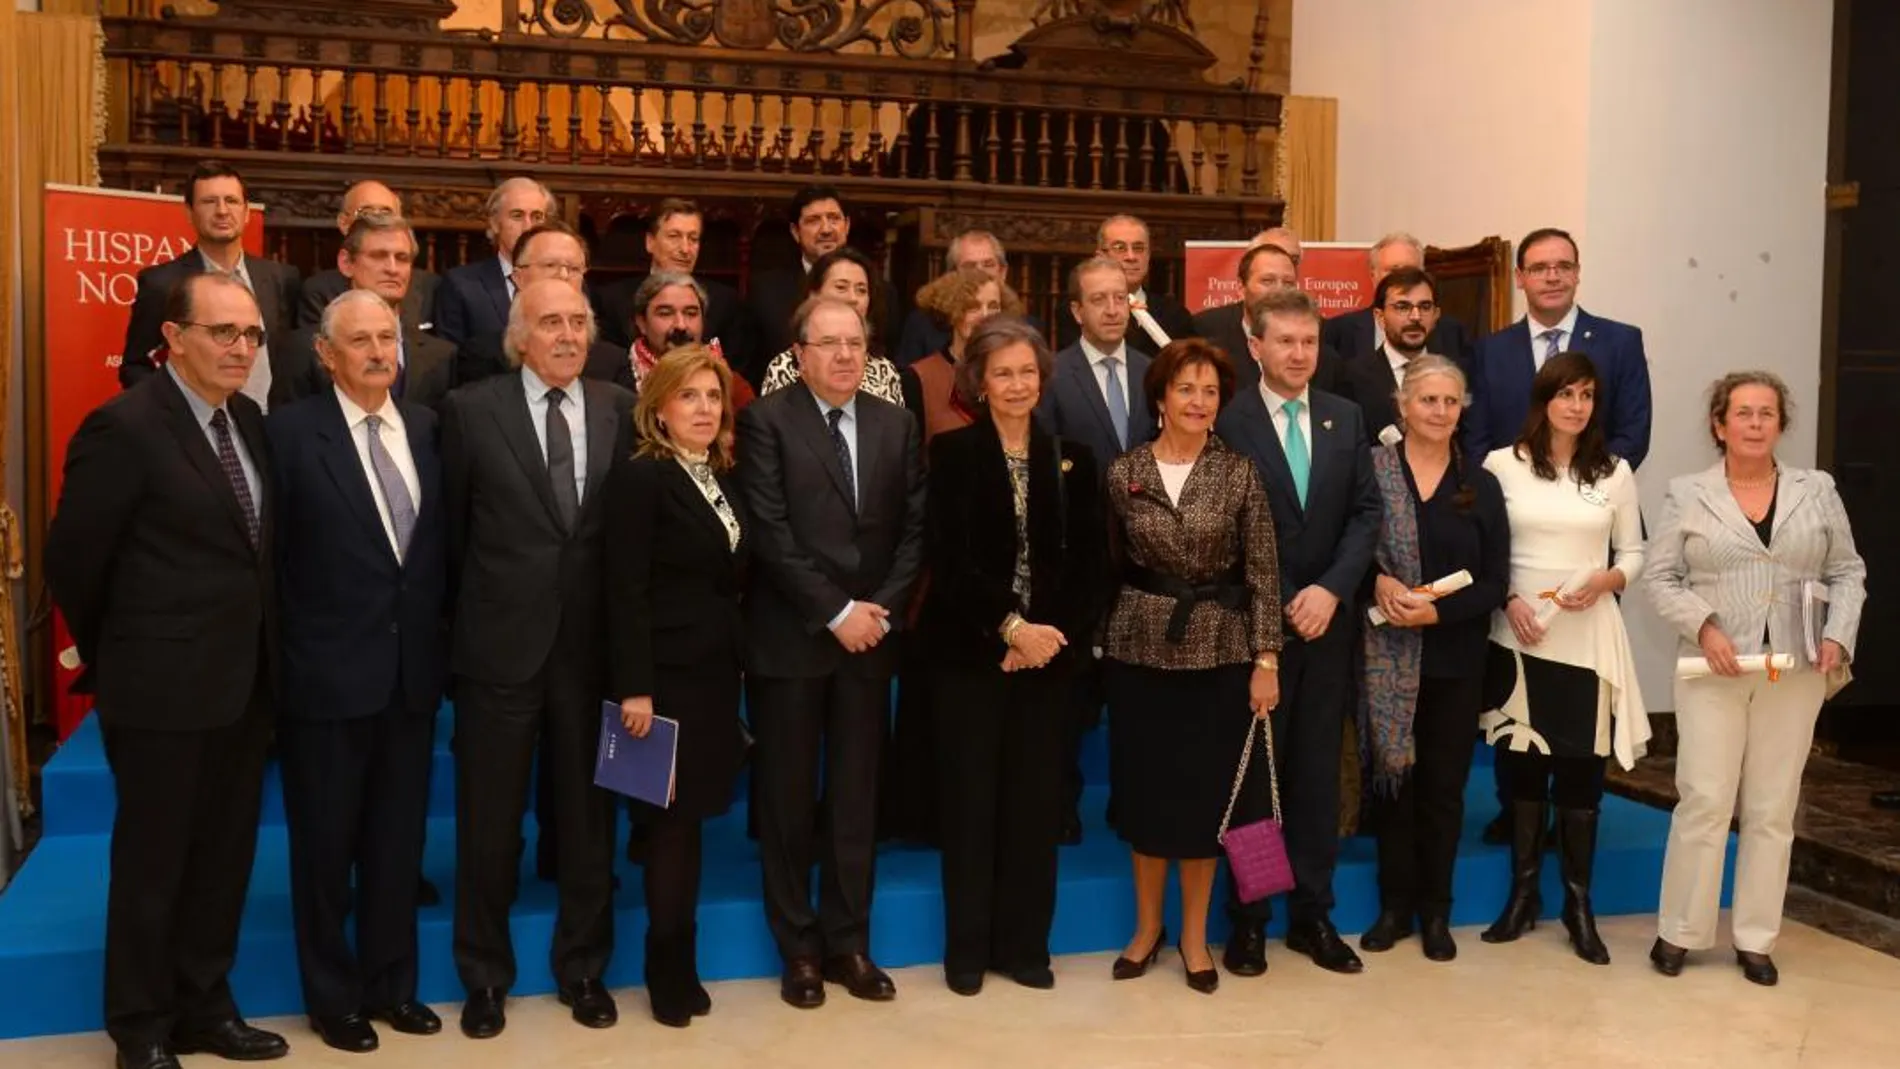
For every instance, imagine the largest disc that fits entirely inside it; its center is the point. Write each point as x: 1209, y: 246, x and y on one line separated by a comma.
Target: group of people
x: 536, y: 497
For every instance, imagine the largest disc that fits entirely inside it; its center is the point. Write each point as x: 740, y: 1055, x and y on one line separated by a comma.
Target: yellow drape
x: 1306, y: 166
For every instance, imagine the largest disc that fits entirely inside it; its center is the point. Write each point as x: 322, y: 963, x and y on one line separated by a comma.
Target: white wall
x: 1684, y: 143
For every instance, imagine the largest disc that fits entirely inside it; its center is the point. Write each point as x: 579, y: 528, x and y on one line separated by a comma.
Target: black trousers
x: 1418, y: 828
x: 907, y: 805
x: 1000, y: 750
x: 1085, y: 702
x: 496, y: 730
x: 183, y: 840
x: 1567, y: 782
x: 836, y: 722
x: 356, y: 797
x: 1308, y: 730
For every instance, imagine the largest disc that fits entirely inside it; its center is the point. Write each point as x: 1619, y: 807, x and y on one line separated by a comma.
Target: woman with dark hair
x: 1191, y: 647
x: 1561, y: 683
x: 848, y: 275
x: 1425, y: 665
x: 1016, y: 545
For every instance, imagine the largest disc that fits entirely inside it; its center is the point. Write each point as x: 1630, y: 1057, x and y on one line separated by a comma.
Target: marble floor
x: 1527, y: 1006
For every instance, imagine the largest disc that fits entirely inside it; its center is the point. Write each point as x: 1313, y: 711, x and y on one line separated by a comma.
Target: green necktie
x: 1297, y: 458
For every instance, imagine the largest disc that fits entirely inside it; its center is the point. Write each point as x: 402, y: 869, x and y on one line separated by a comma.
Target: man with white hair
x: 1358, y: 334
x: 369, y: 199
x: 1154, y: 318
x: 473, y: 299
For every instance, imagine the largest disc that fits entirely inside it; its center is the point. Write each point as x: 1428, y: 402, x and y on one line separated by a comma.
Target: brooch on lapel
x: 1594, y: 494
x: 1134, y: 488
x: 1586, y: 335
x: 1067, y: 465
x: 1326, y: 424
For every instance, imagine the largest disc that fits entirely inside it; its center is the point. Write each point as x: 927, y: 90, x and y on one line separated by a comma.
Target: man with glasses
x: 219, y: 208
x: 370, y: 200
x: 1154, y: 317
x: 548, y: 251
x: 161, y: 554
x: 1358, y: 334
x: 474, y: 298
x: 1405, y: 307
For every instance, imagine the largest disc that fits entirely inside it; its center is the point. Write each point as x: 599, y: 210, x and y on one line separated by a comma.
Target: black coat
x: 472, y: 300
x: 276, y: 286
x: 418, y: 305
x: 727, y: 318
x: 1351, y: 336
x: 776, y: 293
x: 1371, y: 385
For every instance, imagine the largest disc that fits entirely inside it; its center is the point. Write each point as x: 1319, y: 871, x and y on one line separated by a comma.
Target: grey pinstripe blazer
x: 1705, y: 560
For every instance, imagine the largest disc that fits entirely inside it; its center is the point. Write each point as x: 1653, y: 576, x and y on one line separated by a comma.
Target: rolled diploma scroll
x: 1697, y: 667
x: 1149, y: 324
x: 1450, y: 584
x: 1391, y: 435
x: 1549, y: 609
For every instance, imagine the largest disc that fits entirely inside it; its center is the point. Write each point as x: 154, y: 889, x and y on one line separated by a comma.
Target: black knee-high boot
x: 1576, y: 856
x: 1527, y: 866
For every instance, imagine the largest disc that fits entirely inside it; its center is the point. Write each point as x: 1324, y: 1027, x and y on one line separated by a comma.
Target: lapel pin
x: 1586, y: 335
x: 1067, y: 465
x: 1326, y: 424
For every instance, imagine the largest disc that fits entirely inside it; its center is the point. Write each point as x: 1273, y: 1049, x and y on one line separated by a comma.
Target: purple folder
x: 637, y: 768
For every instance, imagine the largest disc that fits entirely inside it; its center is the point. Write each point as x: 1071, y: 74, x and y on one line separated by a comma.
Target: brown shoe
x: 860, y: 977
x: 802, y: 985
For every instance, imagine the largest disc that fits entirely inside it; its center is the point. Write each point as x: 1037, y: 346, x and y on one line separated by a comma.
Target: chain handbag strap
x: 1240, y: 776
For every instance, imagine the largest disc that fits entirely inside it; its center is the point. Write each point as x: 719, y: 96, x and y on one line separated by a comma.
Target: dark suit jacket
x: 1370, y: 384
x: 472, y: 300
x: 149, y: 558
x: 1501, y: 386
x: 1223, y: 327
x: 516, y: 570
x: 776, y: 293
x: 1328, y: 541
x: 1350, y: 337
x: 428, y: 368
x: 1169, y: 314
x: 361, y: 630
x: 276, y: 286
x: 813, y: 552
x: 481, y: 357
x: 1073, y: 407
x: 972, y: 545
x: 727, y: 318
x: 418, y: 305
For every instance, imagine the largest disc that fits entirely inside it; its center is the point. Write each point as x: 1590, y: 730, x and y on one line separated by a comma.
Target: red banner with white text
x: 1335, y: 273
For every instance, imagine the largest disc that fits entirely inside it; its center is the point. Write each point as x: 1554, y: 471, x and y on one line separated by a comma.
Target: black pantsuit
x: 1418, y: 828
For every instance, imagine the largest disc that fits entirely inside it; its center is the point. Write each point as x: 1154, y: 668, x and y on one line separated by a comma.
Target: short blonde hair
x: 669, y: 376
x: 953, y: 293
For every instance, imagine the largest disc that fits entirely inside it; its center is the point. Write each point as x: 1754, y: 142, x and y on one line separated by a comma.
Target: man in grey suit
x: 524, y: 457
x: 364, y: 200
x: 834, y: 483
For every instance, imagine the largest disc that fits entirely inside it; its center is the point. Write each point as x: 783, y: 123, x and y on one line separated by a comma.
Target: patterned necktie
x: 844, y: 455
x: 234, y: 471
x: 567, y: 499
x: 1297, y: 458
x: 402, y: 508
x: 1550, y: 338
x: 1117, y: 400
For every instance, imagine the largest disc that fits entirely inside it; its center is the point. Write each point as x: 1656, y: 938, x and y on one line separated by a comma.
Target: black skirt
x: 1563, y: 700
x: 711, y: 741
x: 1174, y: 743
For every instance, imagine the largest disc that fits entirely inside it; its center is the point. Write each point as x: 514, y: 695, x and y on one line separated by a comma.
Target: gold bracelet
x: 1267, y: 662
x: 1011, y: 624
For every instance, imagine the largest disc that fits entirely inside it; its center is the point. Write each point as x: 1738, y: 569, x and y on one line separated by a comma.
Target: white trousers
x: 1744, y: 743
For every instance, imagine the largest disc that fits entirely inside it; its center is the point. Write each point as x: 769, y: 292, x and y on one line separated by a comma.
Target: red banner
x: 1334, y: 272
x: 97, y: 242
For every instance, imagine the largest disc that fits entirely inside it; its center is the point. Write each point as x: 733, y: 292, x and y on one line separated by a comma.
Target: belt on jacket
x: 1228, y: 590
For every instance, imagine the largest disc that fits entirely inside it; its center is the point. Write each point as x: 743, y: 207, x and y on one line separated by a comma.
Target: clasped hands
x: 863, y: 627
x: 1402, y: 606
x: 1032, y: 646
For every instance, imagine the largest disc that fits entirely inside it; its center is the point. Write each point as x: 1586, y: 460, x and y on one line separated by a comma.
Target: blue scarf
x: 1389, y: 698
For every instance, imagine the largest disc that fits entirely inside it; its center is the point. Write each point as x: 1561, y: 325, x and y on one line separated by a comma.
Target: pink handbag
x: 1256, y: 853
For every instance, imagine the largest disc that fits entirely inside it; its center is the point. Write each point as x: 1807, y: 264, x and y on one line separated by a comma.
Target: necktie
x: 1117, y: 400
x: 234, y: 471
x: 1297, y: 458
x: 567, y: 499
x: 844, y: 454
x: 402, y: 508
x: 1550, y: 337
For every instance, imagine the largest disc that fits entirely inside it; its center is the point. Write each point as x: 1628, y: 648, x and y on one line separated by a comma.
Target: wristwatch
x: 1269, y: 662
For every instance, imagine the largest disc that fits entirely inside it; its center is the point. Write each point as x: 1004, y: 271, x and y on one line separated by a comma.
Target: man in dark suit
x: 1314, y: 460
x: 379, y: 255
x: 819, y: 224
x: 473, y: 299
x: 1405, y: 304
x: 833, y: 480
x: 363, y: 556
x: 361, y: 201
x: 1359, y: 333
x: 1264, y: 268
x: 219, y: 208
x: 673, y: 242
x: 552, y: 250
x: 1124, y: 239
x: 524, y: 457
x: 160, y: 555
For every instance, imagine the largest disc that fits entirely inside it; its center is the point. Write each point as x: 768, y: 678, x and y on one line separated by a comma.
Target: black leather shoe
x: 1667, y: 957
x: 348, y: 1032
x: 1386, y: 932
x: 1206, y: 981
x: 1040, y: 977
x: 147, y: 1056
x: 482, y: 1016
x: 1758, y: 968
x: 592, y: 1003
x: 1246, y: 951
x: 410, y: 1018
x: 802, y: 985
x: 1886, y: 799
x: 1320, y: 941
x: 1129, y: 968
x: 964, y: 983
x: 861, y: 977
x: 1435, y: 934
x: 232, y: 1040
x: 427, y: 894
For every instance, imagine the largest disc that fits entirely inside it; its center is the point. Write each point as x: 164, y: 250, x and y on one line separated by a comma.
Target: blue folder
x: 637, y: 768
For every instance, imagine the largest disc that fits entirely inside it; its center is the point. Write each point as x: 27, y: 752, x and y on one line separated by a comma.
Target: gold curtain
x: 14, y: 775
x: 1306, y: 165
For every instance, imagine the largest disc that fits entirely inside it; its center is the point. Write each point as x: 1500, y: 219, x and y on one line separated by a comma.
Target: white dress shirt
x: 1276, y: 408
x: 1096, y: 359
x: 395, y: 439
x: 1565, y: 327
x: 257, y: 383
x: 575, y: 412
x: 507, y: 276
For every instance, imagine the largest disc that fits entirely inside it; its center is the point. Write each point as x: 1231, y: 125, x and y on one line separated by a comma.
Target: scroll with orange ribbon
x: 1450, y: 584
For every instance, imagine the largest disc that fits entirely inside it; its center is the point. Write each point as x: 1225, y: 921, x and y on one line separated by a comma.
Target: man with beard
x: 674, y: 232
x: 668, y: 311
x: 1405, y: 305
x: 1359, y: 334
x: 820, y: 223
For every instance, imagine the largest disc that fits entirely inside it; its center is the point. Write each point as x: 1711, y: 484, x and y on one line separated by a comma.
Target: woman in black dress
x: 1016, y: 549
x: 676, y: 556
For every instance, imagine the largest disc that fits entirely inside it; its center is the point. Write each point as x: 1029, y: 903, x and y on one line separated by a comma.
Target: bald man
x: 368, y: 198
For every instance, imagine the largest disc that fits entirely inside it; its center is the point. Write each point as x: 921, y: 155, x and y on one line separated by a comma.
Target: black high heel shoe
x: 1127, y: 969
x: 1204, y: 981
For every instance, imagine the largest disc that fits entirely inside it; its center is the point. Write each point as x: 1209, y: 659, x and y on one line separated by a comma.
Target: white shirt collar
x: 1275, y: 402
x: 507, y: 267
x: 1568, y: 324
x: 1139, y: 296
x: 237, y: 269
x: 849, y: 408
x: 538, y: 390
x: 1096, y: 356
x: 354, y: 413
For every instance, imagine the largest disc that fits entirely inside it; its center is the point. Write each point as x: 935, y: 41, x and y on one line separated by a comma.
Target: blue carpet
x: 52, y: 918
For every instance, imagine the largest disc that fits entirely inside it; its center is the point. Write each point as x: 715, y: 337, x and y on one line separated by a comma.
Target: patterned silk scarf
x: 642, y: 358
x: 1389, y: 698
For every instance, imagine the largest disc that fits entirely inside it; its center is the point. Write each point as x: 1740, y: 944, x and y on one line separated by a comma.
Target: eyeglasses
x: 1559, y: 269
x: 227, y: 334
x: 1123, y: 248
x: 831, y: 346
x: 557, y: 268
x: 1409, y: 310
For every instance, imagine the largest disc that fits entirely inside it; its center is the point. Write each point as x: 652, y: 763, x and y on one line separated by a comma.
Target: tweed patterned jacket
x: 1222, y: 523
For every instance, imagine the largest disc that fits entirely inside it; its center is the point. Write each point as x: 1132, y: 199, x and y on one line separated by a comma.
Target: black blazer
x: 972, y: 545
x: 1330, y: 540
x: 1169, y: 314
x: 428, y: 368
x: 1224, y: 328
x: 1072, y: 406
x: 276, y: 286
x: 517, y: 573
x: 1350, y: 337
x: 361, y: 629
x: 813, y: 552
x: 418, y: 305
x: 727, y: 318
x: 1370, y: 384
x: 1477, y: 540
x: 775, y: 293
x: 148, y: 557
x: 472, y: 300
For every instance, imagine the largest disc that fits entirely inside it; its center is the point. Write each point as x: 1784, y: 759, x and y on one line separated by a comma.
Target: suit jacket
x: 1329, y: 540
x: 1168, y: 313
x: 1223, y: 326
x: 472, y: 300
x: 361, y: 629
x: 276, y: 287
x: 1501, y: 386
x: 972, y: 545
x: 1370, y: 383
x: 1705, y: 560
x: 1073, y: 407
x: 726, y: 318
x: 428, y: 368
x: 149, y: 558
x: 481, y: 357
x: 1350, y: 337
x: 418, y: 305
x: 813, y: 550
x: 776, y: 293
x: 518, y: 573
